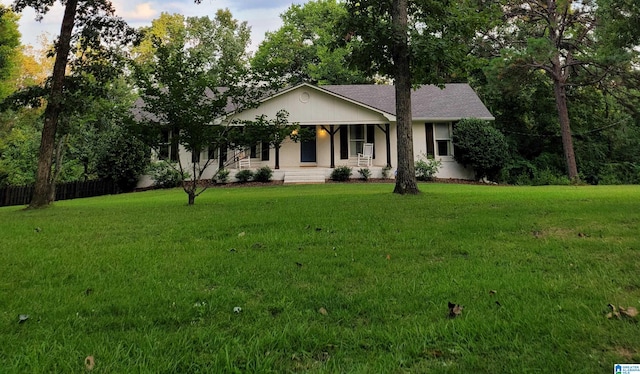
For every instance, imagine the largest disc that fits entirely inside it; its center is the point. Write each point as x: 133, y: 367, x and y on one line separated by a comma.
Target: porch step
x: 304, y: 176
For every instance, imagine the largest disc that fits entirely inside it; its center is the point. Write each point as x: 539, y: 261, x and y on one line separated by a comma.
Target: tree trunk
x: 406, y: 182
x: 277, y: 154
x: 560, y: 92
x: 192, y: 197
x: 44, y: 181
x: 59, y: 159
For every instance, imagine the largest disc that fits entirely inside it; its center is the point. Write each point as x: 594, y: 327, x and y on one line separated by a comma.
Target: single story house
x: 346, y: 117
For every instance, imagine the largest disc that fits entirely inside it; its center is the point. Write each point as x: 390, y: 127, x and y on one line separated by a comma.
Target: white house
x: 344, y: 118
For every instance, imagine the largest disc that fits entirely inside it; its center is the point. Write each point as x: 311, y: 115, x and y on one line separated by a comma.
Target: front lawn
x: 329, y: 278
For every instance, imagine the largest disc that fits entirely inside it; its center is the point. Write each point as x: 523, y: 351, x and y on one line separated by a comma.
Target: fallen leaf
x: 318, y: 228
x: 493, y: 292
x: 299, y: 264
x: 630, y: 312
x: 323, y: 311
x: 455, y: 310
x: 241, y: 234
x: 388, y: 257
x: 614, y: 312
x: 37, y: 229
x: 22, y: 318
x: 89, y: 362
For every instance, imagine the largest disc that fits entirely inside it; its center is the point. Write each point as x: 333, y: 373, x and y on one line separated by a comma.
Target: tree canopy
x: 304, y: 49
x: 196, y: 75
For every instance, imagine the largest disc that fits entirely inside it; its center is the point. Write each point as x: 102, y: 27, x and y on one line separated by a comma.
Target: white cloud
x: 142, y: 12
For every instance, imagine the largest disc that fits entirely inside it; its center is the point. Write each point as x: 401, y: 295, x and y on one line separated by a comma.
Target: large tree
x: 303, y: 49
x: 561, y: 39
x: 196, y: 76
x: 95, y: 27
x: 413, y: 42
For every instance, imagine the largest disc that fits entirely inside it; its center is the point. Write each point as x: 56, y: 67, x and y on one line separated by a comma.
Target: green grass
x: 144, y: 283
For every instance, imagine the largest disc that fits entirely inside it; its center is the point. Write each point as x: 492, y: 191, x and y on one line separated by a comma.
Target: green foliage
x: 244, y: 176
x: 165, y: 175
x: 197, y: 70
x: 439, y: 33
x: 547, y: 169
x: 9, y: 51
x: 364, y: 173
x: 123, y: 159
x: 263, y: 174
x: 481, y: 147
x: 304, y: 48
x: 385, y: 172
x: 619, y: 173
x: 222, y: 176
x: 341, y: 173
x: 19, y: 149
x: 427, y: 167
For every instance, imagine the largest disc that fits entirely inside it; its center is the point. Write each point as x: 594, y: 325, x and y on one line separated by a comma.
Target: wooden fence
x: 21, y: 195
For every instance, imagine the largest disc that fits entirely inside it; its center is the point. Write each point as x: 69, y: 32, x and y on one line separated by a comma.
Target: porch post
x: 387, y: 135
x: 332, y: 131
x: 388, y: 140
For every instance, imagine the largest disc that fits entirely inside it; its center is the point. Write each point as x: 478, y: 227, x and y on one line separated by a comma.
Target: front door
x: 308, y: 145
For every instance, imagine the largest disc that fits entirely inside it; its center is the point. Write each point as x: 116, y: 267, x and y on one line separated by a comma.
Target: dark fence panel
x: 21, y: 195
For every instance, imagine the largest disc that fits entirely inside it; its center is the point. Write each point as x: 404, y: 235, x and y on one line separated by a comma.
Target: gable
x: 311, y: 105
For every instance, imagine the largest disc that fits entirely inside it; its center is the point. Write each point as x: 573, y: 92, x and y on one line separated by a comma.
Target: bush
x: 341, y: 173
x: 365, y: 173
x: 122, y: 159
x: 426, y: 167
x: 222, y: 176
x: 480, y: 146
x: 263, y: 174
x: 243, y: 176
x: 385, y: 172
x: 165, y: 175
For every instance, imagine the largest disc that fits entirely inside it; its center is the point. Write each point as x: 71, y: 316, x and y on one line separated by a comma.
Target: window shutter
x: 429, y: 131
x: 195, y: 156
x: 265, y: 151
x: 371, y: 137
x: 344, y: 142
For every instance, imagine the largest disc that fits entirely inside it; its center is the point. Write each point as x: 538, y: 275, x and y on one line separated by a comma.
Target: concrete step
x: 304, y: 176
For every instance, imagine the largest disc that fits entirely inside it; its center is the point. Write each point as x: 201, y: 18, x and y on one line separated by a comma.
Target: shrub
x: 222, y: 176
x: 426, y: 167
x: 165, y: 175
x: 385, y: 172
x: 263, y: 174
x: 341, y: 173
x: 122, y: 159
x: 365, y: 173
x: 243, y: 176
x: 480, y: 146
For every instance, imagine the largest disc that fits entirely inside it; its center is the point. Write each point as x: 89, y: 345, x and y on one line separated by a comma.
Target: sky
x: 261, y: 15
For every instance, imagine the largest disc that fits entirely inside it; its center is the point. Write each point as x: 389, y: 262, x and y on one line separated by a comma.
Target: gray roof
x: 454, y: 101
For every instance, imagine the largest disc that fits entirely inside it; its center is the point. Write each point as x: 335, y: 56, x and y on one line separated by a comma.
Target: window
x: 358, y: 135
x: 168, y: 148
x: 212, y: 152
x: 356, y: 139
x: 443, y: 137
